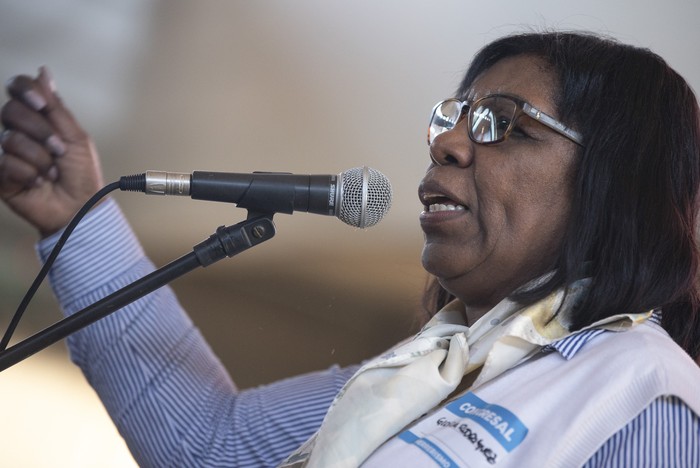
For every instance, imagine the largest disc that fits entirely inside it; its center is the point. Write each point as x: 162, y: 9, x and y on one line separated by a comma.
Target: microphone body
x: 359, y: 197
x: 269, y: 192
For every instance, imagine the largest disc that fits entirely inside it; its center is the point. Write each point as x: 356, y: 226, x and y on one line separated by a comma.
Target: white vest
x: 549, y: 412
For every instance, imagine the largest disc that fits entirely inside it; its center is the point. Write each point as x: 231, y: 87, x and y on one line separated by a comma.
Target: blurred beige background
x: 299, y: 86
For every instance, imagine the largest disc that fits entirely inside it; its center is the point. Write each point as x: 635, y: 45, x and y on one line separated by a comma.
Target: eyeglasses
x: 491, y: 118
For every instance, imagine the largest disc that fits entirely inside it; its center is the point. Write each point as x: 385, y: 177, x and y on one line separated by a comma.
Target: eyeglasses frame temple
x: 552, y: 123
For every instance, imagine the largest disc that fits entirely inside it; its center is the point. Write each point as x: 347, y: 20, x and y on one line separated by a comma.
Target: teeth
x: 442, y: 207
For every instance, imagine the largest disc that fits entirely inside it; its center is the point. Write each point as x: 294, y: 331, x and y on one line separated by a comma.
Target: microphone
x: 360, y: 196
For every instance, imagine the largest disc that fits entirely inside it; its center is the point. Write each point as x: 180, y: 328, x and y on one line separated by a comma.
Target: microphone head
x: 365, y: 197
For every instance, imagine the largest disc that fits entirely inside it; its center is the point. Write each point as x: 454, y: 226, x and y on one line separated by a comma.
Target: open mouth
x: 434, y: 203
x: 445, y: 207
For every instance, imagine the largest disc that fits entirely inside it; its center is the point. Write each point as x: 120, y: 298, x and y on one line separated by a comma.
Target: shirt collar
x: 572, y: 344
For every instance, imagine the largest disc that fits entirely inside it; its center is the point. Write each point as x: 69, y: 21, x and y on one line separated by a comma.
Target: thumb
x: 57, y: 114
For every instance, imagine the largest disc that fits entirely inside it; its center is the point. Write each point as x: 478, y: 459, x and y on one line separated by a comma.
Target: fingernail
x: 47, y: 78
x: 52, y: 174
x: 35, y: 100
x: 55, y: 145
x: 38, y: 182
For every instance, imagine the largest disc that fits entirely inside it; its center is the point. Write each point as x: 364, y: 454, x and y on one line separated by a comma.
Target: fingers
x: 40, y: 96
x: 19, y: 118
x: 31, y: 140
x: 18, y: 145
x: 17, y: 175
x: 29, y: 146
x: 25, y: 89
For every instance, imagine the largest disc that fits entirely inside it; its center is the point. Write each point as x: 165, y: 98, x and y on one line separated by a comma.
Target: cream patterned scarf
x: 396, y: 388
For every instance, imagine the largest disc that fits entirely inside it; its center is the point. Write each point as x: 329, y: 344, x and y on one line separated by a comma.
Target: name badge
x: 468, y: 432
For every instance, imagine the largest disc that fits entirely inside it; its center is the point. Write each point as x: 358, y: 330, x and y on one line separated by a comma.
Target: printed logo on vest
x: 503, y: 425
x: 468, y: 432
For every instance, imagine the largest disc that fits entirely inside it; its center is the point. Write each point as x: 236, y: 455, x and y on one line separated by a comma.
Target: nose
x: 453, y: 147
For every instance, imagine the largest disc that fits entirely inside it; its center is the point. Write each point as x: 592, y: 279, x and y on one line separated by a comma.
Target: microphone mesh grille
x: 375, y: 202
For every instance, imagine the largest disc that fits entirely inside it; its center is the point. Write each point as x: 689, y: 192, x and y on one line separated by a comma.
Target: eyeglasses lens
x: 491, y: 119
x: 445, y: 117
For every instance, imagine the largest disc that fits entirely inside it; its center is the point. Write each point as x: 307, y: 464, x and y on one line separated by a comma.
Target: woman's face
x: 516, y: 194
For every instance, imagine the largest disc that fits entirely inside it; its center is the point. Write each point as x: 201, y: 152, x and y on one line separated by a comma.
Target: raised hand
x: 49, y: 167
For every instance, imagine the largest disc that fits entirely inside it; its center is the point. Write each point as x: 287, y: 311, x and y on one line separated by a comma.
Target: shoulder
x: 624, y: 371
x: 666, y: 433
x: 648, y: 343
x: 648, y: 359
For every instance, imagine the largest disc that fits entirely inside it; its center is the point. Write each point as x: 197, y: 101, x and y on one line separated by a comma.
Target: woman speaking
x: 560, y: 215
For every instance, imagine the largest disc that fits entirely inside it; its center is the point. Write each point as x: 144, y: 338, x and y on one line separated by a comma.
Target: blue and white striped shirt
x: 175, y: 405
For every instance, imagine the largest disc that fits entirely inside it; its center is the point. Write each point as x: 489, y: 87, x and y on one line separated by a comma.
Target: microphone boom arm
x: 225, y: 242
